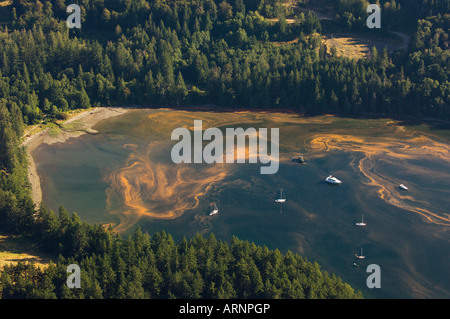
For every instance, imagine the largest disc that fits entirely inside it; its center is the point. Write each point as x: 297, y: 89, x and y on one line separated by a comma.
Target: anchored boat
x: 281, y: 199
x: 360, y: 256
x: 332, y: 180
x: 362, y: 223
x: 299, y: 159
x: 214, y: 211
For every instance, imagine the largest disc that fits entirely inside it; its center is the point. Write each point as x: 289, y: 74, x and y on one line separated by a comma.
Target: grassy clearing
x: 14, y: 249
x: 5, y: 3
x: 53, y: 128
x: 349, y: 47
x: 73, y: 126
x: 360, y: 46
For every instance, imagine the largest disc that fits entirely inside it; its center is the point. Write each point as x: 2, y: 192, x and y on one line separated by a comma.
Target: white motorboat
x: 281, y: 199
x: 361, y: 223
x: 403, y: 187
x: 332, y: 180
x: 214, y: 211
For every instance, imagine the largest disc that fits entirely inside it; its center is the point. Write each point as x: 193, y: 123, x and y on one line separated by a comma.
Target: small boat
x: 360, y: 256
x: 214, y: 211
x: 298, y: 159
x: 281, y: 199
x: 362, y: 223
x: 355, y: 265
x: 403, y: 187
x: 332, y: 180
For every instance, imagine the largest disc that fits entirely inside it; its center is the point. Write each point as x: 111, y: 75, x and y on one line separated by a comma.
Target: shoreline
x: 85, y: 121
x: 224, y: 109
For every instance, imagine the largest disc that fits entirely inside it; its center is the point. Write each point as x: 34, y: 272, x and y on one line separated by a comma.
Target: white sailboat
x: 214, y: 211
x: 360, y: 256
x: 362, y: 223
x: 403, y: 187
x: 281, y: 199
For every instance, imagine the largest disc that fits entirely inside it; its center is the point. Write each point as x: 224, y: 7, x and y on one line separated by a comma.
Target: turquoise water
x: 124, y: 176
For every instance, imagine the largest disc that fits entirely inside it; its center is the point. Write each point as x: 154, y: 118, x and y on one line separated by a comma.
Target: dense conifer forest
x: 226, y: 53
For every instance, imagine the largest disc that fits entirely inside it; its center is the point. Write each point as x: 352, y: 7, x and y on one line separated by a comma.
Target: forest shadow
x: 433, y: 123
x: 14, y: 249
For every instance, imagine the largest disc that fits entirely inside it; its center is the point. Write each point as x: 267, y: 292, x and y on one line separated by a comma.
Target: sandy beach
x: 84, y: 124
